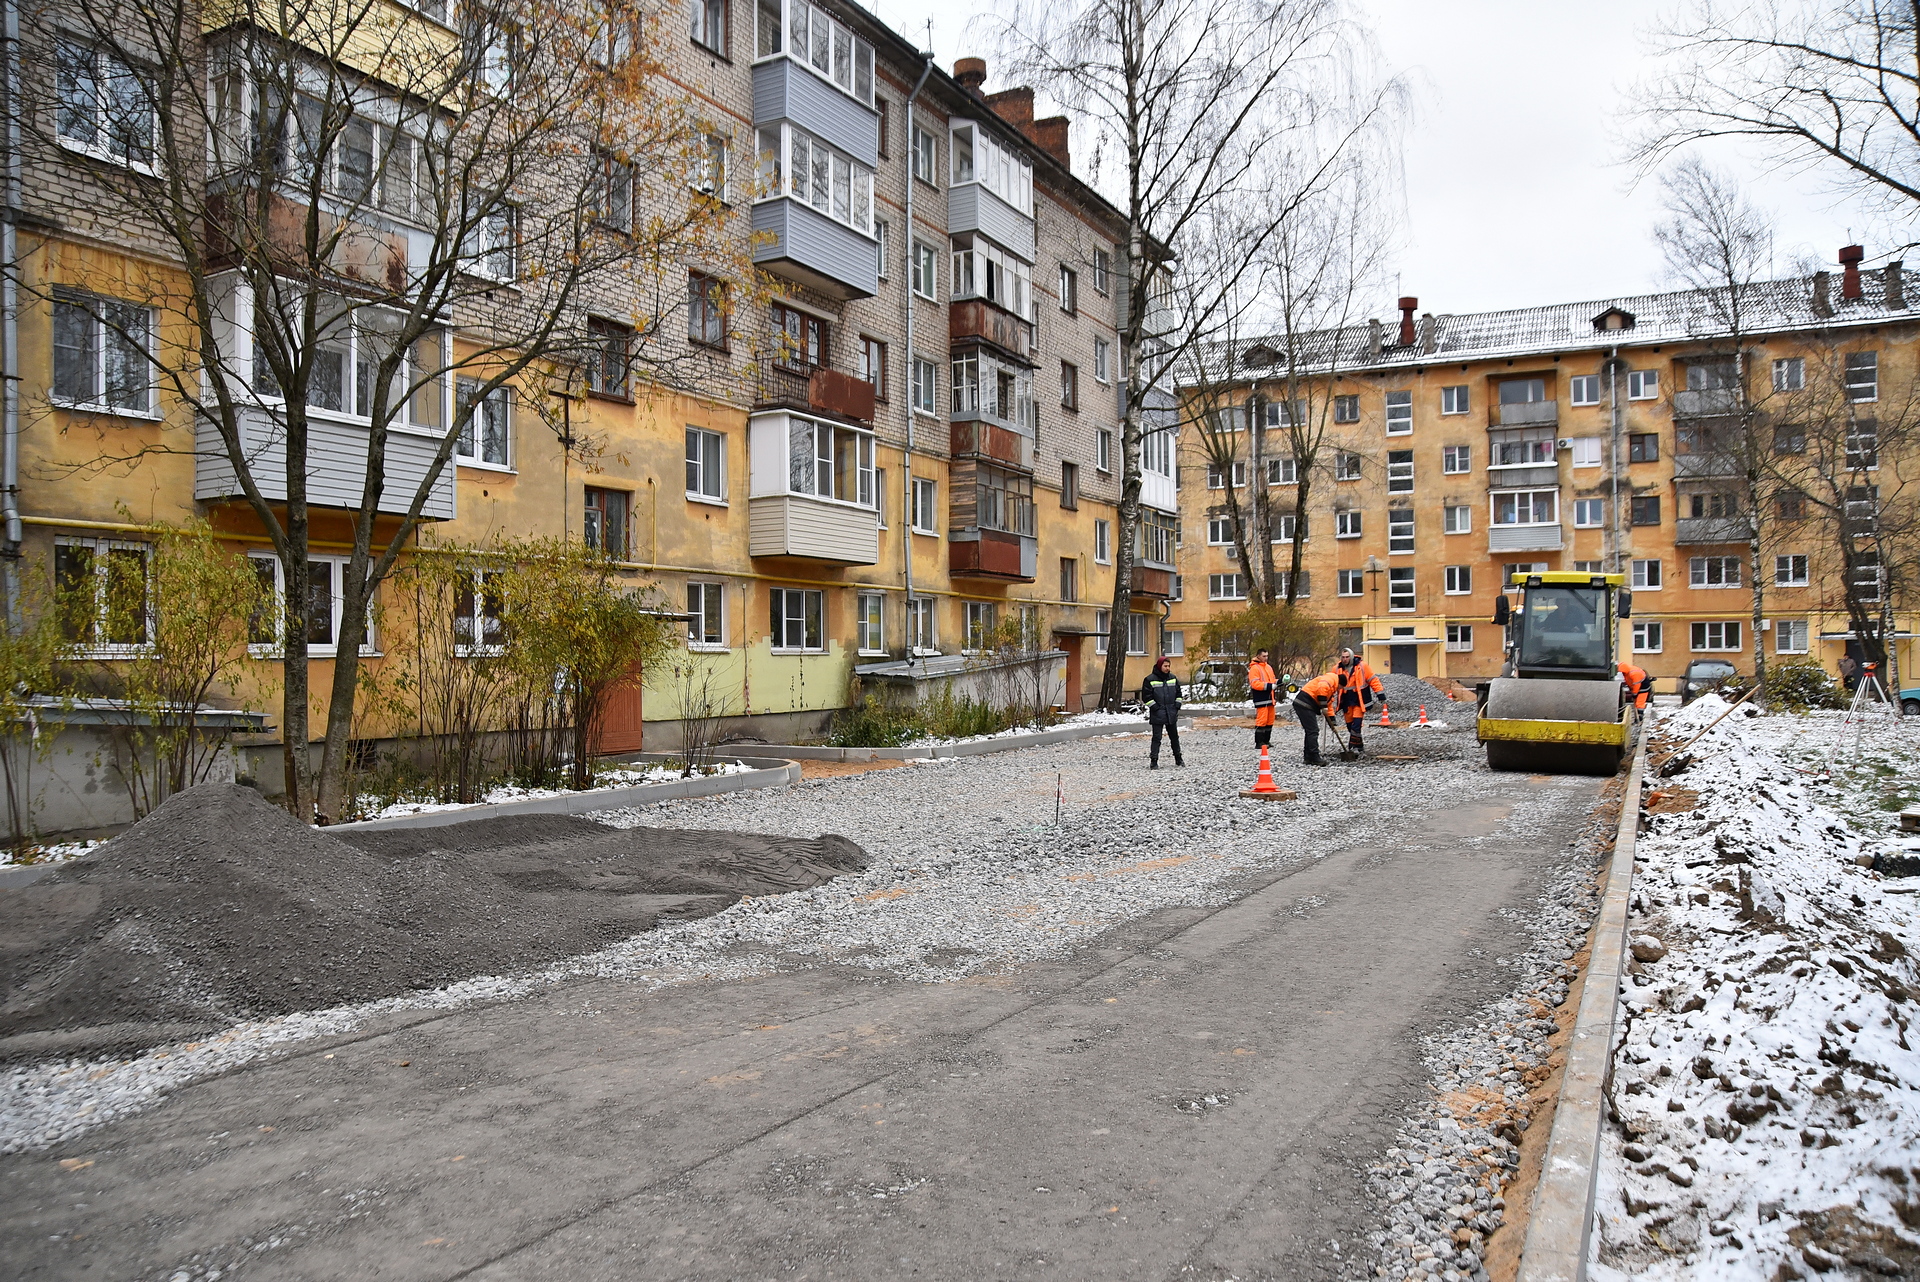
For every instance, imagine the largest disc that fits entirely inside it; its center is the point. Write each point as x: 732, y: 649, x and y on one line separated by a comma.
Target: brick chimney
x: 1015, y: 106
x: 1050, y: 135
x: 971, y: 73
x: 1850, y: 256
x: 1406, y: 320
x: 1376, y: 336
x: 1822, y: 294
x: 1895, y: 288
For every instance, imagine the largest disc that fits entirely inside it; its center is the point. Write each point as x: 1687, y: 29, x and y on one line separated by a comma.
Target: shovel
x: 1346, y: 754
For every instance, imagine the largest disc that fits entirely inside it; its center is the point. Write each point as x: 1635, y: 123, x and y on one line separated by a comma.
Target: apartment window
x: 1102, y: 272
x: 1862, y: 376
x: 1454, y: 400
x: 1589, y: 514
x: 1399, y: 529
x: 1346, y: 523
x: 1526, y: 507
x: 1459, y: 638
x: 873, y: 365
x: 1458, y: 519
x: 1069, y: 290
x: 1716, y: 636
x: 1102, y: 361
x: 1790, y: 505
x: 1399, y: 413
x: 1400, y: 595
x: 1586, y: 451
x: 1864, y: 584
x: 925, y: 155
x: 103, y: 106
x: 1790, y: 439
x: 1863, y: 446
x: 869, y: 622
x: 1069, y: 385
x: 613, y: 191
x: 1219, y: 530
x: 794, y: 619
x: 605, y: 527
x: 1715, y: 504
x: 1790, y: 571
x: 981, y: 620
x: 1400, y: 471
x: 486, y: 433
x: 1226, y: 587
x: 1286, y: 584
x: 1455, y: 459
x: 103, y: 592
x: 710, y: 25
x: 1102, y: 623
x: 1136, y: 633
x: 1217, y: 475
x: 493, y: 242
x: 706, y: 310
x: 1646, y: 575
x: 102, y: 354
x: 1346, y: 409
x: 1789, y: 374
x: 711, y: 177
x: 926, y: 383
x: 1714, y: 572
x: 1584, y: 389
x: 926, y: 270
x: 477, y: 629
x: 883, y: 245
x: 1175, y: 643
x: 1644, y: 509
x: 1346, y: 466
x: 1459, y: 580
x: 1103, y: 450
x: 1589, y: 567
x: 1350, y: 582
x: 1643, y: 384
x: 1520, y: 447
x: 610, y: 362
x: 924, y: 493
x: 1069, y: 578
x: 706, y: 616
x: 1643, y: 447
x: 1283, y: 471
x: 1790, y: 636
x: 1103, y: 542
x: 706, y: 465
x: 1287, y: 525
x: 1648, y: 637
x: 922, y: 635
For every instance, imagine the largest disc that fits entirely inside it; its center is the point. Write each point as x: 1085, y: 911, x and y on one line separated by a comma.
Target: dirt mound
x: 220, y: 906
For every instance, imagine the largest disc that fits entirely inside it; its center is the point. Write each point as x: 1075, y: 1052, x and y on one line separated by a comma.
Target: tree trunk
x: 1302, y: 490
x: 1113, y: 680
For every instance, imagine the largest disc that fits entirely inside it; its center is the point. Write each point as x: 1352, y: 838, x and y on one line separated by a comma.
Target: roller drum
x: 1544, y: 699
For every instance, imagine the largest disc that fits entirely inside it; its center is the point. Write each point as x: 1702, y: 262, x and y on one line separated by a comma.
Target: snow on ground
x: 1766, y: 1088
x: 605, y: 778
x: 54, y: 853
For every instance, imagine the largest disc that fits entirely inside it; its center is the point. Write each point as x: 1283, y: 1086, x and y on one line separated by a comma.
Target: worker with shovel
x: 1316, y: 699
x: 1358, y: 686
x: 1639, y: 684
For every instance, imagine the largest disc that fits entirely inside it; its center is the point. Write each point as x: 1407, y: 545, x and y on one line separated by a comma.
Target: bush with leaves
x: 1295, y: 641
x: 1794, y: 685
x: 29, y: 654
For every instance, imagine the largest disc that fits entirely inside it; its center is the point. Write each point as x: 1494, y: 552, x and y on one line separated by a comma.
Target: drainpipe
x: 906, y: 463
x: 10, y: 319
x: 1614, y: 447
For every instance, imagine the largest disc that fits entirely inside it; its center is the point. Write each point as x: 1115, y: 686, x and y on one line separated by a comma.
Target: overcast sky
x: 1513, y: 196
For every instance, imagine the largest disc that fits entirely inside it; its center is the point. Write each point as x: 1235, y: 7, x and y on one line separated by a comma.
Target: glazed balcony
x: 1706, y: 402
x: 1530, y: 414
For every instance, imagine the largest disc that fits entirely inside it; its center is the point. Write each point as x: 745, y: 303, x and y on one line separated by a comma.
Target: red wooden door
x: 620, y: 726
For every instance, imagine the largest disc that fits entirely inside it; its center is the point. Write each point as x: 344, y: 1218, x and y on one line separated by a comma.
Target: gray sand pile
x: 1405, y: 694
x: 220, y: 906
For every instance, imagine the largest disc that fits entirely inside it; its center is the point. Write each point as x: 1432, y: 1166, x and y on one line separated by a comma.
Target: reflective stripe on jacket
x: 1260, y: 683
x: 1319, y: 692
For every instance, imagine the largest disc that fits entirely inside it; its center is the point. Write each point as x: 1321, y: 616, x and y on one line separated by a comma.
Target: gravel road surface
x: 1167, y: 1040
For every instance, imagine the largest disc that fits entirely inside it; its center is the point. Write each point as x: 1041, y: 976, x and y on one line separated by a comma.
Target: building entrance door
x: 1403, y: 660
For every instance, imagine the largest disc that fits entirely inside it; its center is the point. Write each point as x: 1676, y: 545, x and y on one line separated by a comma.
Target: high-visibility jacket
x: 1639, y: 683
x: 1319, y: 693
x: 1263, y: 686
x: 1354, y: 689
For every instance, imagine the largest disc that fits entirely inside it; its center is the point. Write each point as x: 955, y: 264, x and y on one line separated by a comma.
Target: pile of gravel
x: 221, y: 906
x: 1405, y: 695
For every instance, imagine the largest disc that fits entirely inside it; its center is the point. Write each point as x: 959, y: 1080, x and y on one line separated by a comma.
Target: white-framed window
x: 1346, y: 409
x: 926, y: 270
x: 486, y: 437
x: 1346, y: 465
x: 1589, y: 567
x: 1175, y: 642
x: 1526, y: 507
x: 1399, y: 413
x: 706, y: 616
x: 1226, y: 587
x: 794, y: 163
x: 1864, y: 584
x: 1102, y: 272
x: 1457, y: 518
x: 1790, y: 570
x: 325, y: 584
x: 1459, y: 580
x: 1102, y: 361
x: 1520, y: 447
x: 104, y: 588
x: 1102, y: 621
x: 795, y: 620
x: 977, y: 156
x: 1459, y: 638
x: 922, y: 634
x: 492, y: 247
x: 706, y: 465
x: 926, y: 157
x: 926, y: 386
x: 1219, y: 530
x: 980, y: 620
x: 883, y: 247
x: 1286, y: 583
x: 343, y: 367
x: 1455, y: 459
x: 1863, y: 446
x: 1862, y: 377
x: 1286, y: 525
x: 1103, y: 542
x: 1648, y: 636
x: 1399, y: 530
x: 1399, y: 471
x: 1589, y: 514
x: 811, y: 37
x: 925, y: 491
x: 1584, y: 389
x: 1217, y: 476
x: 1517, y: 571
x: 1716, y: 635
x: 102, y: 354
x: 1646, y: 575
x: 477, y: 630
x: 1790, y: 636
x: 1454, y: 400
x: 1348, y: 523
x: 1400, y: 594
x: 830, y: 461
x: 709, y: 26
x: 102, y: 106
x: 1586, y: 451
x: 1136, y: 633
x: 1069, y: 290
x: 1789, y: 375
x: 1283, y: 471
x: 1714, y: 572
x: 1103, y: 450
x: 1643, y: 384
x: 1350, y: 582
x: 869, y: 620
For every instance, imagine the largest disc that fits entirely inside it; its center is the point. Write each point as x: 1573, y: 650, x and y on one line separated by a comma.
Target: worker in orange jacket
x: 1358, y: 686
x: 1263, y: 686
x: 1639, y: 684
x: 1313, y: 701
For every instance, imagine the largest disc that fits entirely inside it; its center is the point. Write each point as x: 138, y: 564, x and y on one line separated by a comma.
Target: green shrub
x: 962, y: 718
x: 1797, y: 685
x: 876, y: 723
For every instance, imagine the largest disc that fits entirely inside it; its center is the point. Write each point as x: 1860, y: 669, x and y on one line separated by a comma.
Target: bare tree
x: 377, y: 231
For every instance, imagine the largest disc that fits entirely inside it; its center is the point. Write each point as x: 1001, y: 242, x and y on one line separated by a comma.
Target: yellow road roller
x: 1558, y: 705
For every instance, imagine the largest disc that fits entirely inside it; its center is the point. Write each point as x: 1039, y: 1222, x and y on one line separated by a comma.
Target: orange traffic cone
x: 1383, y: 716
x: 1423, y: 716
x: 1263, y: 783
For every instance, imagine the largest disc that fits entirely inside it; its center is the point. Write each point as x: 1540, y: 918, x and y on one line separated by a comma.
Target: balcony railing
x: 1711, y: 529
x: 976, y: 318
x: 1703, y: 402
x: 1690, y: 466
x: 814, y: 389
x: 1529, y: 413
x: 1524, y: 538
x: 1508, y: 476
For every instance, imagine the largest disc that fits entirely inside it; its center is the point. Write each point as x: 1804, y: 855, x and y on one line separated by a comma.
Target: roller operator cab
x: 1558, y: 705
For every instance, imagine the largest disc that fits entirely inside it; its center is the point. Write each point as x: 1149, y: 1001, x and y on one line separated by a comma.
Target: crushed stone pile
x: 221, y: 906
x: 1405, y: 695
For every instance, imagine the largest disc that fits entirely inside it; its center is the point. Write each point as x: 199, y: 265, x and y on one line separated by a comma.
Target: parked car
x: 1216, y: 680
x: 1910, y: 701
x: 1703, y: 676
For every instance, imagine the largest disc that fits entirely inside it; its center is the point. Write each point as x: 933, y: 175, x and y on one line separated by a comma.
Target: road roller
x: 1558, y: 705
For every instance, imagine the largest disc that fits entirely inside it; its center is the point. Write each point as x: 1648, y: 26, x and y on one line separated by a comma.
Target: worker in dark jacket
x: 1312, y: 703
x: 1161, y: 693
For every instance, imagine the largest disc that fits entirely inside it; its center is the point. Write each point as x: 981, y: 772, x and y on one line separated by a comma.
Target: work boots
x: 1353, y: 742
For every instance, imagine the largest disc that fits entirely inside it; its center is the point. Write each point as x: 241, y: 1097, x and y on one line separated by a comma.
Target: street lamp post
x: 1374, y: 565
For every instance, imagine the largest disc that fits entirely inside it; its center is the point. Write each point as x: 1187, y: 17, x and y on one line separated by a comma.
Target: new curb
x: 965, y: 748
x: 1560, y: 1225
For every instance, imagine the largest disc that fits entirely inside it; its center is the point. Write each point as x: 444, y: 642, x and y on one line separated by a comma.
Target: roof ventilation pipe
x: 1406, y: 320
x: 1850, y: 256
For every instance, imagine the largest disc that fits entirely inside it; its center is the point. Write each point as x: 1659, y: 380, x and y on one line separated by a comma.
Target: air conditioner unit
x: 1566, y: 442
x: 1766, y: 625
